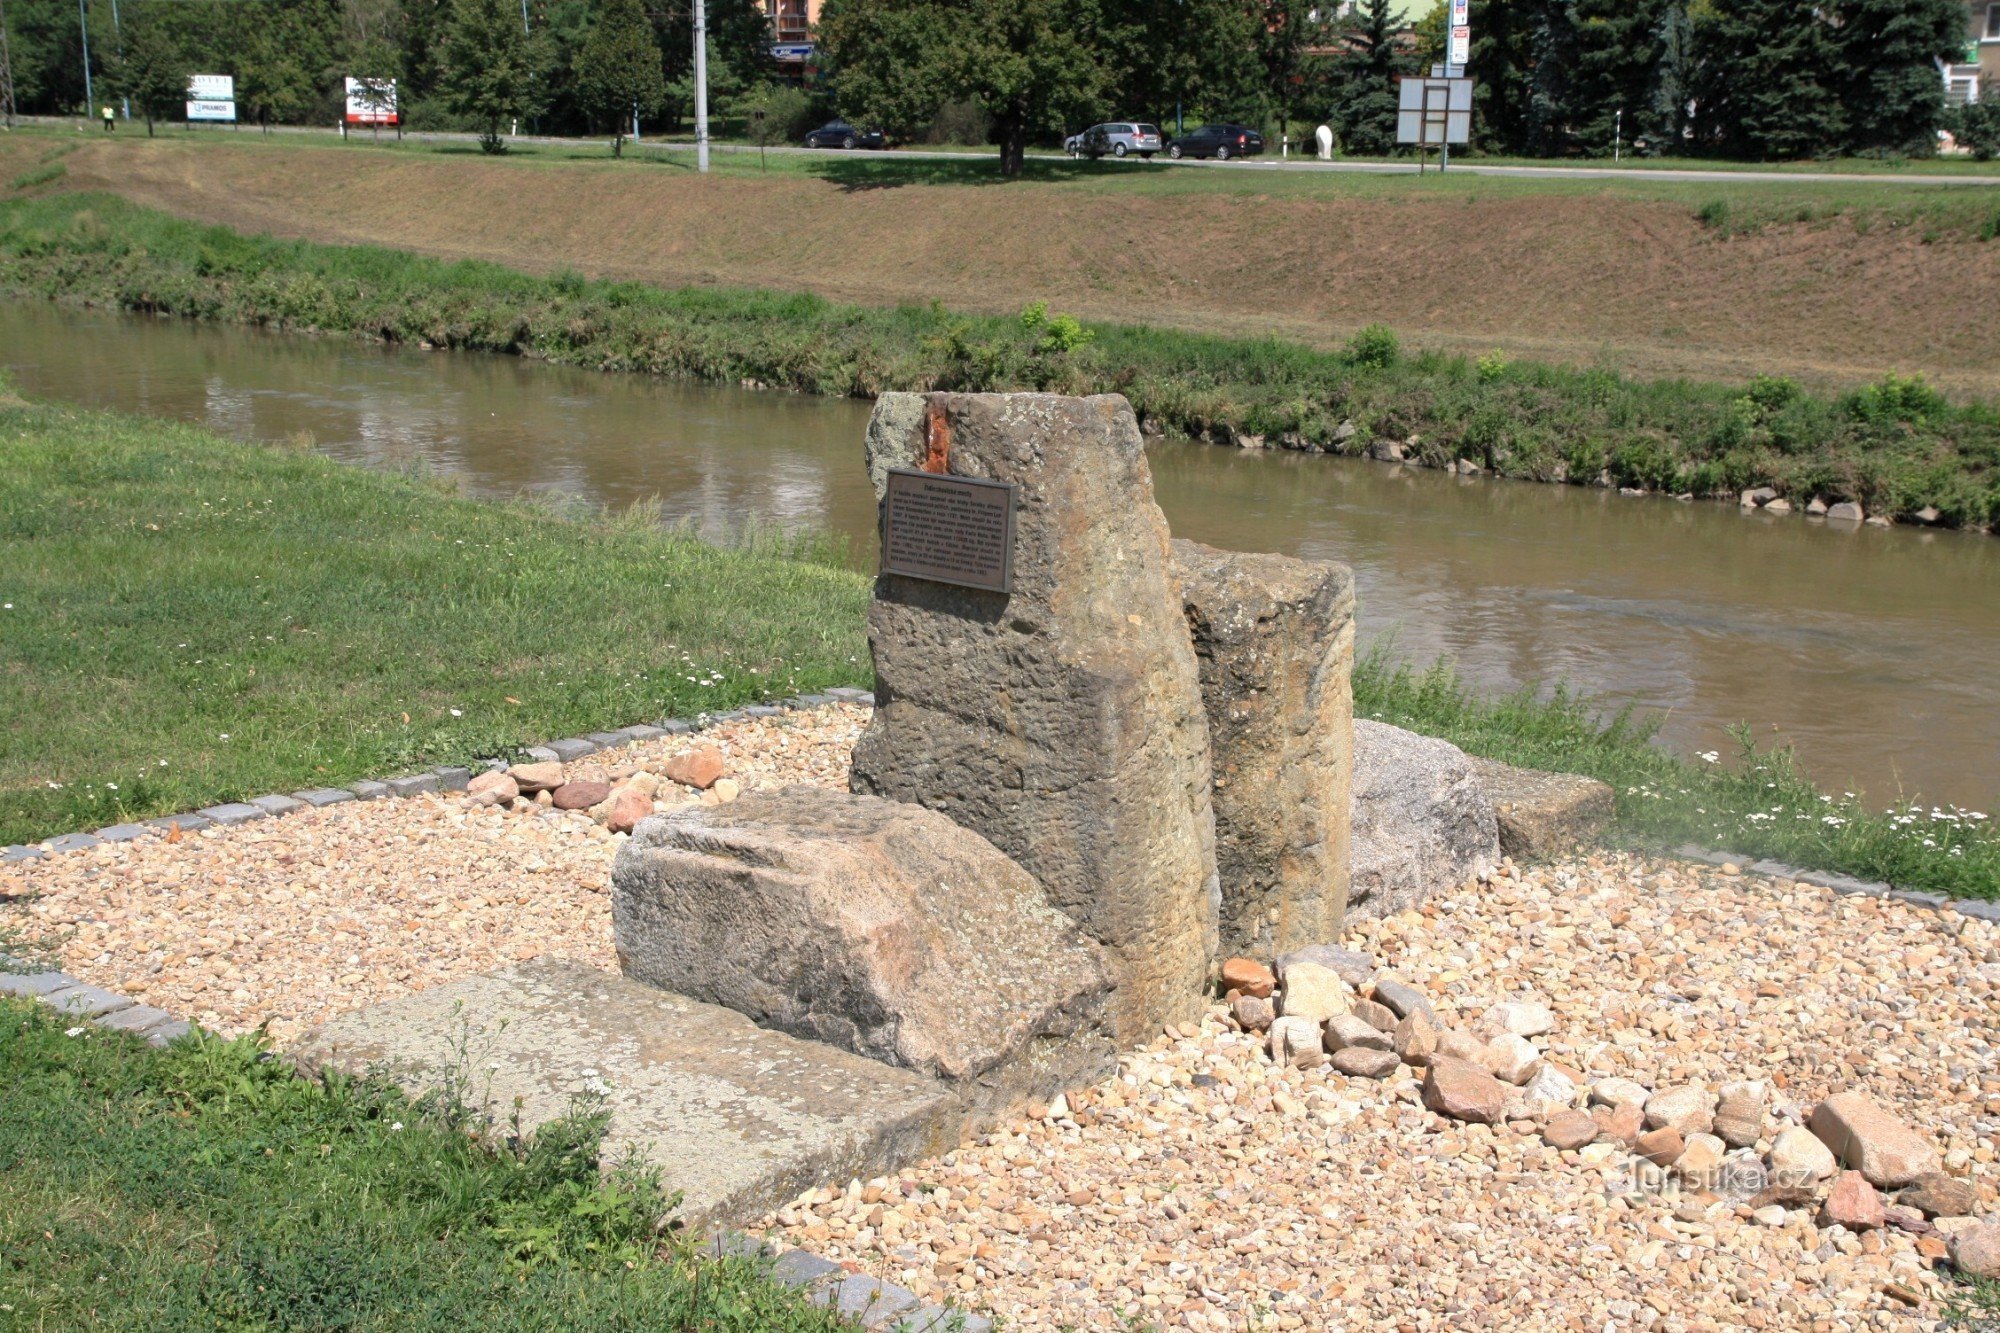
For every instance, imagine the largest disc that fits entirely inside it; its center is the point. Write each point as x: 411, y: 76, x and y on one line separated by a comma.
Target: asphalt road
x: 1266, y: 163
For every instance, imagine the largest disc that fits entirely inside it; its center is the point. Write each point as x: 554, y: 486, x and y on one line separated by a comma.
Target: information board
x: 211, y: 97
x: 957, y: 530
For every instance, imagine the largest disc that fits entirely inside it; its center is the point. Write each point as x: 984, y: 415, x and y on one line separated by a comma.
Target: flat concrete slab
x: 739, y: 1120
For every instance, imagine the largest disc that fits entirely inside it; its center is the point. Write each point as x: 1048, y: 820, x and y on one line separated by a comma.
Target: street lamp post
x: 700, y: 85
x: 83, y: 26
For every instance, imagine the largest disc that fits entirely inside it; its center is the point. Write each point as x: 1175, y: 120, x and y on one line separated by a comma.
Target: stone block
x: 139, y: 1020
x: 1274, y: 641
x: 644, y: 731
x: 320, y: 797
x: 275, y: 805
x: 414, y: 784
x: 189, y: 822
x: 122, y: 832
x: 19, y: 854
x: 369, y: 790
x: 1063, y: 720
x: 86, y: 1001
x: 762, y: 710
x: 674, y: 726
x: 1542, y: 815
x: 739, y: 1119
x: 168, y: 1033
x: 1423, y: 824
x: 233, y: 812
x: 72, y: 842
x: 606, y: 740
x: 35, y: 985
x: 572, y: 749
x: 541, y: 754
x: 452, y: 777
x: 849, y: 694
x: 875, y: 926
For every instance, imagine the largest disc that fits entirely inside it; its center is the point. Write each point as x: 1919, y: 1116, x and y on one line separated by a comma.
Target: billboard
x: 211, y: 97
x: 371, y: 101
x: 1434, y: 111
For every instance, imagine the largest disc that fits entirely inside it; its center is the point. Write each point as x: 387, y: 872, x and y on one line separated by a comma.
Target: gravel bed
x: 286, y: 922
x: 1204, y: 1187
x: 1207, y: 1188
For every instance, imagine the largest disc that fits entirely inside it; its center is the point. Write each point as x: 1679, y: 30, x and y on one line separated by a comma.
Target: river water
x: 1875, y: 652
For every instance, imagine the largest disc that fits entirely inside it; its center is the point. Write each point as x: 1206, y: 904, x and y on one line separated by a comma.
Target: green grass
x: 1897, y: 447
x: 188, y: 619
x: 1753, y: 802
x: 208, y: 1186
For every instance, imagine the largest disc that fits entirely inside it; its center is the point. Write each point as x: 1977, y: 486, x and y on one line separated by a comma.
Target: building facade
x: 1976, y: 77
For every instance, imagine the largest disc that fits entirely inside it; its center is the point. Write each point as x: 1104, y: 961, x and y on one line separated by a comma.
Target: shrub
x: 1374, y: 348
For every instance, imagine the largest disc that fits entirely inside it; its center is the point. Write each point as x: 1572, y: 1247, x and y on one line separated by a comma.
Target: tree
x: 1033, y: 64
x: 1365, y: 91
x: 1887, y: 54
x: 1288, y: 32
x: 618, y: 69
x: 152, y: 67
x: 1764, y: 79
x: 1200, y: 57
x: 490, y: 67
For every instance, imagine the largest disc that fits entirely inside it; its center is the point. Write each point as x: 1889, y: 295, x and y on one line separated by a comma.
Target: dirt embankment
x: 1636, y: 284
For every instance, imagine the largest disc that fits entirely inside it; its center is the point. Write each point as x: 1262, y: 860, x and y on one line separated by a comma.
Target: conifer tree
x: 618, y: 70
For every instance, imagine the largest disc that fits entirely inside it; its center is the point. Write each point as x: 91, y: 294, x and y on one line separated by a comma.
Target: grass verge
x: 186, y: 619
x: 1753, y: 802
x: 207, y: 1185
x: 1897, y: 446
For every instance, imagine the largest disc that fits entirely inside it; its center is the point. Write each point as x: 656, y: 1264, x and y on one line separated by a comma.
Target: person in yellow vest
x: 108, y: 122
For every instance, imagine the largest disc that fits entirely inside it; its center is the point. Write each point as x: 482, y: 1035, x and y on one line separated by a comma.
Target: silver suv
x: 1117, y: 138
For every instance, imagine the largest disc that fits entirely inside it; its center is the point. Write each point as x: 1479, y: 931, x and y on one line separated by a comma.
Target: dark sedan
x: 840, y: 134
x: 1220, y: 142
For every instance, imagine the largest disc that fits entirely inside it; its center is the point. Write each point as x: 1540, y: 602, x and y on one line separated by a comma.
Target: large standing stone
x: 1274, y: 637
x: 1422, y: 822
x: 875, y: 926
x: 1063, y: 721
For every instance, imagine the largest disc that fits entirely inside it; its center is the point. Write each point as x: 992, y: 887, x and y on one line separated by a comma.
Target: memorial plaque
x: 949, y: 529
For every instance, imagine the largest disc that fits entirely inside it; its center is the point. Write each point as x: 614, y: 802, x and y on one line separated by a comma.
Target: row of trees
x: 1744, y: 78
x: 569, y: 66
x: 1769, y: 79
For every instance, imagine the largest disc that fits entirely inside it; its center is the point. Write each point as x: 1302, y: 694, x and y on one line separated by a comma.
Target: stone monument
x: 1061, y: 718
x: 1274, y: 637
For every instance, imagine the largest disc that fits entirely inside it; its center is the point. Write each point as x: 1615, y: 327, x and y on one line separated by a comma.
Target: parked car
x: 840, y: 134
x: 1116, y: 138
x: 1220, y: 142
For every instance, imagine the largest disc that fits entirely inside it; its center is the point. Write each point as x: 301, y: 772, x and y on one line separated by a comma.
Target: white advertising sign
x: 1461, y: 13
x: 371, y: 101
x: 211, y: 97
x: 1461, y: 46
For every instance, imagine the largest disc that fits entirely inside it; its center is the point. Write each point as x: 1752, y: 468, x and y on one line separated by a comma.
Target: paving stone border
x: 871, y: 1303
x: 1848, y: 884
x: 449, y: 777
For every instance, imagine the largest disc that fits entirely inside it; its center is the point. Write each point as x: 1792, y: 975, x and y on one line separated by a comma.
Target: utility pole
x: 118, y: 37
x: 1617, y: 135
x: 700, y: 85
x: 6, y: 72
x: 83, y: 26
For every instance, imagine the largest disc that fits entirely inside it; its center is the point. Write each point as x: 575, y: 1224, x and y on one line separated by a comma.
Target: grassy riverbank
x: 199, y: 1187
x: 1896, y: 446
x: 189, y: 619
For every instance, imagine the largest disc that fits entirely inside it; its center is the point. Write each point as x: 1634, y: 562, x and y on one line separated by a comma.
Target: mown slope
x: 1625, y: 275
